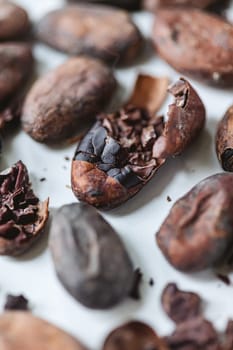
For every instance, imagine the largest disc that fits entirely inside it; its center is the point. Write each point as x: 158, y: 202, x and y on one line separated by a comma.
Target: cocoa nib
x: 224, y: 141
x: 180, y: 306
x: 134, y: 335
x: 94, y: 31
x: 196, y: 43
x: 198, y: 232
x: 123, y: 150
x: 22, y: 216
x: 16, y: 302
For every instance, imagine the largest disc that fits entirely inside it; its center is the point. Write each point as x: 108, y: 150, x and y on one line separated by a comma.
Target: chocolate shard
x: 22, y: 216
x: 123, y: 150
x: 180, y: 306
x: 198, y: 232
x: 224, y: 141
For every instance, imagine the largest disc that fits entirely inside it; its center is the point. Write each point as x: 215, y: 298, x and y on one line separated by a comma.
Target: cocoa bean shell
x: 195, y: 43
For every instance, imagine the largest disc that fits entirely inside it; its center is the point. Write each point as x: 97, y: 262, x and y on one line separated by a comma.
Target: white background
x: 136, y: 221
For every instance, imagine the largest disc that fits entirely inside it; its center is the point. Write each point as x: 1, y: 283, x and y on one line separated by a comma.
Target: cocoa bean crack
x: 18, y: 204
x: 121, y: 144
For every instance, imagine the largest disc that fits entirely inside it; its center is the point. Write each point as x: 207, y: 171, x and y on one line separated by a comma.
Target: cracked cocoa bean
x: 180, y: 306
x: 198, y: 231
x: 92, y: 30
x: 97, y: 271
x: 224, y: 141
x: 22, y: 216
x: 14, y: 21
x: 194, y: 334
x: 196, y: 44
x: 16, y: 63
x: 127, y: 4
x: 134, y: 335
x: 123, y: 150
x: 23, y: 331
x: 61, y: 102
x: 152, y: 5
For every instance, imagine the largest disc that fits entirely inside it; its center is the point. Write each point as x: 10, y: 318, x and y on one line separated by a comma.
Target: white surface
x: 136, y: 221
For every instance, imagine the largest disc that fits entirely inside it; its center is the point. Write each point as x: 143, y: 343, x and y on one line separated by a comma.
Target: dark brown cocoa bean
x: 134, y: 335
x: 198, y: 231
x: 195, y: 43
x: 194, y: 334
x: 153, y: 5
x: 97, y: 270
x: 92, y: 30
x: 23, y: 331
x: 63, y: 100
x: 123, y: 150
x: 127, y: 4
x: 22, y: 216
x: 14, y: 21
x: 224, y: 141
x: 180, y: 306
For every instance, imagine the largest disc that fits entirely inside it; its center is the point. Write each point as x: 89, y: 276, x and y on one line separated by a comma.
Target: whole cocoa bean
x: 14, y: 21
x: 153, y: 5
x: 60, y: 103
x: 23, y: 331
x: 195, y: 43
x: 127, y: 4
x: 198, y: 232
x: 92, y: 30
x: 134, y: 335
x: 123, y: 150
x: 90, y: 260
x: 22, y: 216
x: 224, y: 141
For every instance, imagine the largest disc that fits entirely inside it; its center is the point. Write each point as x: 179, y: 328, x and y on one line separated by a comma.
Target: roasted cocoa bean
x: 198, y: 231
x: 22, y: 216
x: 127, y: 4
x: 63, y: 100
x: 224, y: 141
x: 97, y: 270
x: 134, y: 335
x: 16, y: 63
x: 194, y: 334
x: 14, y: 21
x: 153, y: 5
x: 180, y: 306
x: 23, y: 331
x: 92, y: 30
x: 195, y: 43
x: 123, y: 150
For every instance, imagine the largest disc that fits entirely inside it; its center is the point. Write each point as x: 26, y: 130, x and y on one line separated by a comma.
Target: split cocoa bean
x: 22, y: 330
x: 92, y: 30
x: 14, y: 22
x: 97, y: 270
x: 61, y: 102
x: 224, y: 141
x: 123, y: 150
x: 198, y: 232
x: 195, y: 43
x: 22, y: 216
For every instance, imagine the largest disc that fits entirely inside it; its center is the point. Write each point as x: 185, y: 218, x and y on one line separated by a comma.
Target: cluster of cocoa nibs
x: 18, y: 204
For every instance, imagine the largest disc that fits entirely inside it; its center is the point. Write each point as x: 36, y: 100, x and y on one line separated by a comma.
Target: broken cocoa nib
x: 198, y: 232
x: 16, y: 302
x: 194, y: 334
x: 224, y: 141
x: 123, y: 150
x: 22, y: 216
x: 180, y: 306
x: 196, y: 43
x: 14, y: 21
x: 134, y: 335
